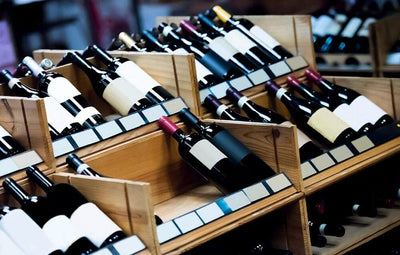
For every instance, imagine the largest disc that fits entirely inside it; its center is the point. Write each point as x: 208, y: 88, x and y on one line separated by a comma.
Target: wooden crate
x: 127, y: 203
x: 383, y: 34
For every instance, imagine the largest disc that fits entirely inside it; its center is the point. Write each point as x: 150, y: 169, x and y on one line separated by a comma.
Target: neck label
x: 280, y: 93
x: 242, y: 101
x: 221, y: 109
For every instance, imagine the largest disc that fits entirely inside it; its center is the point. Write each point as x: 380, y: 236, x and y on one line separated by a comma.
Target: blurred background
x: 26, y: 25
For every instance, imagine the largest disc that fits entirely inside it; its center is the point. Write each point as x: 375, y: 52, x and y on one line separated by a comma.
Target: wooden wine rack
x: 146, y: 174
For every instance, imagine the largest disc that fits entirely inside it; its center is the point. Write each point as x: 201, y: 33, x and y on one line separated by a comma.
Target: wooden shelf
x: 361, y: 230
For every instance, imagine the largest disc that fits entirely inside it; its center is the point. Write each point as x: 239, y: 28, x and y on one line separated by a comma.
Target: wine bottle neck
x: 15, y: 190
x: 103, y: 55
x: 85, y: 65
x: 36, y: 69
x: 179, y: 135
x: 39, y: 178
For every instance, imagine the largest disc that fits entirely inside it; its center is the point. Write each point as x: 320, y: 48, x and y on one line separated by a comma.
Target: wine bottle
x: 9, y: 146
x: 89, y: 219
x: 254, y: 32
x: 58, y: 87
x: 205, y: 76
x: 360, y: 103
x: 25, y: 233
x: 318, y: 240
x: 130, y: 44
x: 240, y: 154
x: 82, y: 168
x: 335, y: 104
x: 223, y: 111
x: 70, y: 240
x: 240, y: 41
x: 221, y: 46
x: 345, y: 45
x: 205, y: 158
x: 326, y: 229
x: 132, y: 72
x: 361, y: 39
x: 117, y: 91
x: 320, y: 30
x: 307, y: 149
x: 331, y: 39
x: 117, y: 44
x: 61, y: 122
x: 319, y: 121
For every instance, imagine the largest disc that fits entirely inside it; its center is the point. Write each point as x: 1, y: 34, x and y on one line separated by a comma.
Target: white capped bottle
x: 58, y: 87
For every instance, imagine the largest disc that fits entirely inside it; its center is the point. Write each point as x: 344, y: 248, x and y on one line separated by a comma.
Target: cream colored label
x: 62, y: 89
x: 264, y: 36
x: 301, y: 137
x: 137, y: 76
x: 221, y: 46
x: 121, y: 95
x: 93, y: 223
x: 365, y: 107
x: 207, y: 153
x: 327, y: 124
x: 62, y: 239
x: 239, y: 41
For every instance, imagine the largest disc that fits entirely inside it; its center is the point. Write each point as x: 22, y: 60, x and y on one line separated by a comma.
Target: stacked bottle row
x: 335, y: 208
x: 224, y: 47
x: 344, y: 29
x: 122, y: 84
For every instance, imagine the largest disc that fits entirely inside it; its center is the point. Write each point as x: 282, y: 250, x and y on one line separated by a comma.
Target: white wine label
x: 393, y: 58
x: 348, y: 115
x: 241, y: 83
x: 103, y: 251
x: 137, y: 76
x: 62, y: 89
x: 362, y: 144
x: 108, y: 129
x: 256, y: 192
x: 7, y: 166
x: 219, y: 90
x: 188, y: 222
x: 341, y: 153
x: 323, y: 162
x: 307, y: 170
x: 57, y: 115
x: 3, y: 132
x: 207, y: 153
x: 327, y: 124
x: 131, y: 121
x: 210, y: 212
x: 237, y: 200
x: 93, y: 223
x: 121, y: 95
x: 239, y: 40
x: 364, y: 30
x: 280, y: 68
x: 258, y: 77
x: 221, y: 109
x: 167, y: 231
x: 321, y: 26
x: 7, y: 246
x: 334, y: 29
x: 242, y: 101
x: 62, y: 239
x: 201, y: 70
x: 154, y: 113
x: 263, y: 36
x: 129, y: 245
x: 223, y: 48
x: 278, y: 182
x: 351, y: 28
x: 174, y: 105
x: 62, y: 146
x: 367, y: 108
x: 180, y: 51
x: 26, y: 233
x: 85, y: 137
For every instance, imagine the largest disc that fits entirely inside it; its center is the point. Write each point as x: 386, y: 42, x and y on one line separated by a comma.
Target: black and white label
x: 26, y: 233
x: 239, y: 41
x: 207, y: 153
x: 57, y: 115
x: 350, y: 30
x: 264, y: 36
x: 93, y: 223
x: 221, y: 46
x: 136, y: 76
x: 121, y: 95
x: 62, y: 239
x: 367, y: 108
